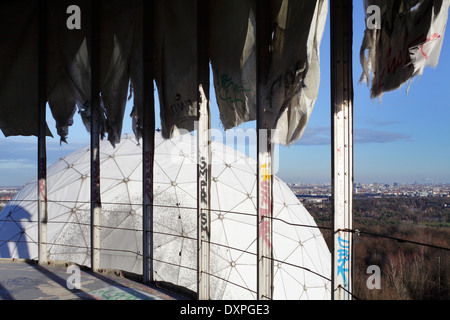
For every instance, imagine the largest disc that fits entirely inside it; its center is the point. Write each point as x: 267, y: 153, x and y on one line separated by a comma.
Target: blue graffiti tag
x: 343, y: 257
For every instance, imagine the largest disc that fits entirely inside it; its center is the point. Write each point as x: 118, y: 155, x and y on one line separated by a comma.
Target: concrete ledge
x: 23, y: 279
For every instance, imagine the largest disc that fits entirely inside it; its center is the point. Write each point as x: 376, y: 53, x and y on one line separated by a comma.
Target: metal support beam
x: 96, y: 206
x: 264, y: 158
x: 148, y: 142
x: 204, y: 153
x: 342, y: 146
x: 42, y: 150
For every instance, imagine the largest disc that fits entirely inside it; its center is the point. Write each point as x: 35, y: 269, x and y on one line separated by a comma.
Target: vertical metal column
x: 342, y: 146
x: 96, y: 206
x: 42, y: 150
x: 204, y: 153
x: 148, y: 142
x: 264, y: 178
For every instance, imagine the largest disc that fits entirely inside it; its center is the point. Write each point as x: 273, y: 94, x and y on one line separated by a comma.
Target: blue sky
x: 403, y: 138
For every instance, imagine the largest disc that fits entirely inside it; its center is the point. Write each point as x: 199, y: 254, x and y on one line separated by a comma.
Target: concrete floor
x: 26, y: 280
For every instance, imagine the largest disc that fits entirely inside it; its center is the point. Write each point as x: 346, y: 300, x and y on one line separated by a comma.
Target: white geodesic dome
x: 233, y: 226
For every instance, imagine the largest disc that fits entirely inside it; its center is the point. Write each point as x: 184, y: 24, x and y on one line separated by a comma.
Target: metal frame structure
x: 148, y: 143
x: 42, y: 150
x: 264, y: 166
x: 204, y: 159
x: 96, y: 205
x: 341, y: 27
x: 342, y: 148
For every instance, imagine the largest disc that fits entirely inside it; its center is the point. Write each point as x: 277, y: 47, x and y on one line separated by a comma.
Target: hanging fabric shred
x: 410, y: 39
x: 68, y: 71
x: 294, y: 75
x: 233, y: 60
x: 136, y: 65
x: 291, y: 88
x: 19, y: 69
x: 116, y: 39
x: 175, y: 64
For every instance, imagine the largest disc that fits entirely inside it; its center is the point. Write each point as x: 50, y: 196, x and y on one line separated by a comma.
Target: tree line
x: 408, y: 271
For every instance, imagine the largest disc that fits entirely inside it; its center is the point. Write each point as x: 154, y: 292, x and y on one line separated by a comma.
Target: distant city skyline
x: 403, y: 138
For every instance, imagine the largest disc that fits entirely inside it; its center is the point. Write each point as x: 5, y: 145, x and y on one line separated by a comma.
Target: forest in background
x: 409, y: 271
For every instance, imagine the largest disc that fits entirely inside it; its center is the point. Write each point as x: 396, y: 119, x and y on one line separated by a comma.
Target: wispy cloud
x: 317, y: 136
x: 28, y: 146
x: 13, y: 164
x: 377, y: 136
x: 380, y: 123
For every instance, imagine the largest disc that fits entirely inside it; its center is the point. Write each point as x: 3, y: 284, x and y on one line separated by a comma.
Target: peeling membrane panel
x: 68, y: 65
x: 175, y: 64
x: 233, y: 225
x: 68, y: 68
x: 294, y: 77
x: 18, y: 69
x: 292, y: 85
x: 410, y: 39
x: 290, y: 91
x: 233, y: 60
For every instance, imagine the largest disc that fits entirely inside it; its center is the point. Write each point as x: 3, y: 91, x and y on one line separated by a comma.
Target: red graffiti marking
x: 401, y: 58
x: 42, y: 189
x: 264, y: 229
x: 433, y: 37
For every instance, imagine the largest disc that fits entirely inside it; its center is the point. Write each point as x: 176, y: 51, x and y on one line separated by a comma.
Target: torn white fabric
x: 68, y: 65
x: 294, y: 77
x: 136, y: 65
x: 68, y: 70
x: 117, y: 36
x: 116, y: 39
x: 233, y: 60
x: 291, y: 88
x: 175, y: 64
x: 410, y: 39
x: 18, y: 69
